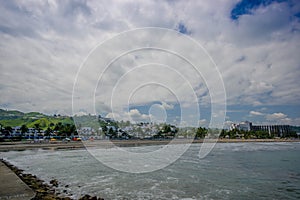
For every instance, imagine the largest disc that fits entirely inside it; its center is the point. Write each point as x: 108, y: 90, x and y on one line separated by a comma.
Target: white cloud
x: 132, y: 115
x: 203, y: 123
x: 256, y: 113
x: 280, y: 118
x: 276, y: 116
x: 44, y: 42
x: 167, y: 106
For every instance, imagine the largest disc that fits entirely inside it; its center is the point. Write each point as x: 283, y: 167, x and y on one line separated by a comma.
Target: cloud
x: 43, y: 43
x: 276, y: 116
x: 256, y: 113
x: 132, y: 115
x: 167, y: 106
x: 203, y: 123
x: 281, y: 118
x: 135, y: 115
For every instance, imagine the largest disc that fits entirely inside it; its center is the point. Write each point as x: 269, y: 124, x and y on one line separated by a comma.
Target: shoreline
x: 59, y: 145
x: 42, y: 190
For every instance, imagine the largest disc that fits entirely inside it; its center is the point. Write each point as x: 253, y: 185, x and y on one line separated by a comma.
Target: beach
x: 18, y: 146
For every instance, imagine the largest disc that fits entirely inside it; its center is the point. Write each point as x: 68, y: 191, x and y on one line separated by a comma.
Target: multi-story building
x: 277, y: 130
x: 243, y: 126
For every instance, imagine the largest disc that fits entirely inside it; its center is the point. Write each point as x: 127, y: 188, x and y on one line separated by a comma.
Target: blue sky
x: 246, y: 7
x: 254, y: 44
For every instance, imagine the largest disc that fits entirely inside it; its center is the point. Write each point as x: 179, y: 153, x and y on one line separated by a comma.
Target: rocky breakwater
x: 43, y: 190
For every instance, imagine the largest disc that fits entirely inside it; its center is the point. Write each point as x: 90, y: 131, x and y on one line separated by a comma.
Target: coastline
x: 42, y: 190
x: 58, y: 145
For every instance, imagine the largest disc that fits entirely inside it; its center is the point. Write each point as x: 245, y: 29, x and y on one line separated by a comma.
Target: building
x: 243, y: 126
x: 277, y: 130
x: 86, y: 131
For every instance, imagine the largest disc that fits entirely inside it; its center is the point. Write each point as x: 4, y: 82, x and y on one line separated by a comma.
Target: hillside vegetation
x: 16, y: 118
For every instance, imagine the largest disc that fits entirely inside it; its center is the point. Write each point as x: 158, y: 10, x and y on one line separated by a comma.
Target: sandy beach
x: 19, y: 146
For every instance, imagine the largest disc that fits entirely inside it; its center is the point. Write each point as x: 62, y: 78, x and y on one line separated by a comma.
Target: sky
x: 54, y: 57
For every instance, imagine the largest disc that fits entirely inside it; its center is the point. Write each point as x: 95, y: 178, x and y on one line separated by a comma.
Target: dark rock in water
x: 54, y: 182
x: 66, y: 198
x: 88, y: 197
x: 41, y: 191
x: 85, y: 197
x: 66, y: 186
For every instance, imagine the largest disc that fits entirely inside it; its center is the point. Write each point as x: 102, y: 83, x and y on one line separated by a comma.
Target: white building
x: 243, y: 126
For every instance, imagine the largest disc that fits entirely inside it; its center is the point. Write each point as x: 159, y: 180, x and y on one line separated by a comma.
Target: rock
x: 54, y: 182
x: 41, y: 191
x: 85, y: 197
x: 66, y: 198
x: 88, y: 197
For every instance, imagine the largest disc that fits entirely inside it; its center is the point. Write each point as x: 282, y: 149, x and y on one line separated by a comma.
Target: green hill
x: 11, y: 114
x: 16, y: 118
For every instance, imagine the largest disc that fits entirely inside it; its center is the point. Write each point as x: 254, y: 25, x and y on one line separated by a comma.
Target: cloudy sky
x: 55, y: 51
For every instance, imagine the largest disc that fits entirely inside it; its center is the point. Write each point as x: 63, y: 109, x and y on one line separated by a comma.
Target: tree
x: 262, y: 134
x: 201, y: 132
x: 111, y: 133
x: 166, y: 128
x: 232, y: 133
x: 1, y: 128
x: 48, y: 131
x: 69, y: 129
x: 223, y: 134
x: 104, y: 128
x: 8, y: 130
x: 24, y: 129
x: 37, y: 127
x: 58, y: 126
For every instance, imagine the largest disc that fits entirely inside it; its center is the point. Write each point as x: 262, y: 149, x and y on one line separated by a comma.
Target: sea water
x: 230, y: 171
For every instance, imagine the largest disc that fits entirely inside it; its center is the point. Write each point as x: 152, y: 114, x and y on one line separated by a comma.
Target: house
x: 86, y: 131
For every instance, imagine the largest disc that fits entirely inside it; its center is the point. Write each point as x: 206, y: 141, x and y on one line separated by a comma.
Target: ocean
x: 230, y: 171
